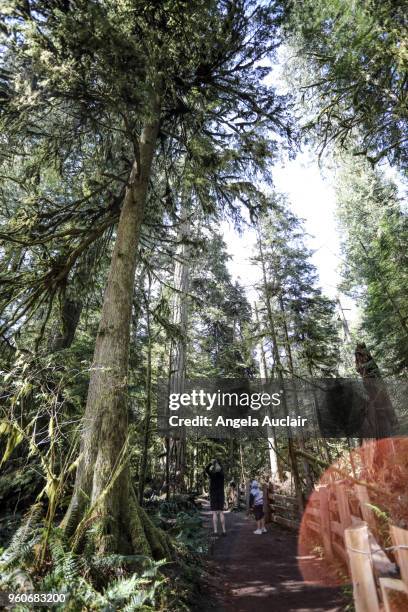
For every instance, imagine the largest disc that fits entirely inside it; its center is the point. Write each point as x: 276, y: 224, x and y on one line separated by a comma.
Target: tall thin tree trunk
x: 194, y: 468
x: 148, y: 411
x: 301, y: 441
x: 279, y: 372
x: 323, y: 441
x: 178, y: 349
x: 272, y: 442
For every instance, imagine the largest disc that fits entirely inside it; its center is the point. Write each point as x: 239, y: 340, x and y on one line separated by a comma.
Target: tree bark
x: 148, y: 411
x: 70, y: 313
x: 102, y: 490
x: 178, y: 347
x: 272, y: 443
x: 301, y: 441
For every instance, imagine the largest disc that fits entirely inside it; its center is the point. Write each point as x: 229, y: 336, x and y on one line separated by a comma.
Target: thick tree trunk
x: 102, y: 490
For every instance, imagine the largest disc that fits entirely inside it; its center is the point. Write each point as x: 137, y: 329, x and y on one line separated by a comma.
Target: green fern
x: 21, y: 548
x: 89, y: 581
x: 136, y: 590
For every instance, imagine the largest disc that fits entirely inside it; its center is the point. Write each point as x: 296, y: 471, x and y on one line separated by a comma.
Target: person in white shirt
x: 256, y: 503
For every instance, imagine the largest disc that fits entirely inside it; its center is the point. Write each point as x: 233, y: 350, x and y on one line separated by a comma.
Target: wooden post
x: 236, y: 496
x: 242, y: 494
x: 266, y: 503
x: 247, y: 493
x: 366, y: 511
x: 343, y: 505
x: 400, y: 538
x: 358, y: 550
x: 325, y: 521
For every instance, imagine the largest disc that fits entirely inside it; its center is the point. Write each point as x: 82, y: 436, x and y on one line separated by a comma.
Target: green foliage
x: 189, y: 528
x: 111, y: 582
x: 14, y: 438
x: 27, y: 536
x: 219, y: 331
x: 89, y: 582
x: 354, y: 78
x: 303, y: 317
x: 78, y: 85
x: 374, y: 229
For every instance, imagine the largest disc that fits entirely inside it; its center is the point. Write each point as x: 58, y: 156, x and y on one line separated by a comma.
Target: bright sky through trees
x: 312, y: 198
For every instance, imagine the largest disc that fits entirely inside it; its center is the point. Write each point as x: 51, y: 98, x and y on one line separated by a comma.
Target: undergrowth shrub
x: 104, y: 583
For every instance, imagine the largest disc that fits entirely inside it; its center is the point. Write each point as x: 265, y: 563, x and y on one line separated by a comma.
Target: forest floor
x: 259, y: 573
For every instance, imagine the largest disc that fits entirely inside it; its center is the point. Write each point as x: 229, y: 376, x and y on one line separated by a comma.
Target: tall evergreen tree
x: 295, y: 319
x: 154, y: 78
x: 303, y: 316
x: 374, y: 226
x: 219, y: 343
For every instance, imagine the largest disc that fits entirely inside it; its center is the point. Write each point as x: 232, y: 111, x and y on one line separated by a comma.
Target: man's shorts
x: 258, y: 513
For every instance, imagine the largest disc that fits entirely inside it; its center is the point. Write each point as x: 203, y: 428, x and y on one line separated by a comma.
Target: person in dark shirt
x: 216, y: 475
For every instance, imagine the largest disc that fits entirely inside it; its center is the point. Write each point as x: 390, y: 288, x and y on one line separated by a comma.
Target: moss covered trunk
x: 102, y: 491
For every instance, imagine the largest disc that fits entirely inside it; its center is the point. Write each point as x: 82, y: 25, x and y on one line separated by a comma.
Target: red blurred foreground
x: 383, y: 466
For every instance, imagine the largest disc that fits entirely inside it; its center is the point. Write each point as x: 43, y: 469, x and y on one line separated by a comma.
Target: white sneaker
x: 258, y: 531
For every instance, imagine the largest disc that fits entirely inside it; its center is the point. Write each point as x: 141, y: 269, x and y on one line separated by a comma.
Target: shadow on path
x: 259, y: 573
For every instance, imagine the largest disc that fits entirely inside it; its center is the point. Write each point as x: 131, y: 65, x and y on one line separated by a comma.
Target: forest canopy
x: 132, y: 132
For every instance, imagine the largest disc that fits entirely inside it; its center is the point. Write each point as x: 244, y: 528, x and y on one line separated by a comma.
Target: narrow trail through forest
x: 251, y: 573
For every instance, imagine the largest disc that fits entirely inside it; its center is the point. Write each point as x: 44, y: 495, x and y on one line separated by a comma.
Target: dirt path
x: 251, y: 573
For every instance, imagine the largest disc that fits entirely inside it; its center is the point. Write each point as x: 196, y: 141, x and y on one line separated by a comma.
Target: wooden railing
x: 342, y: 519
x: 334, y: 508
x: 281, y: 509
x: 371, y: 591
